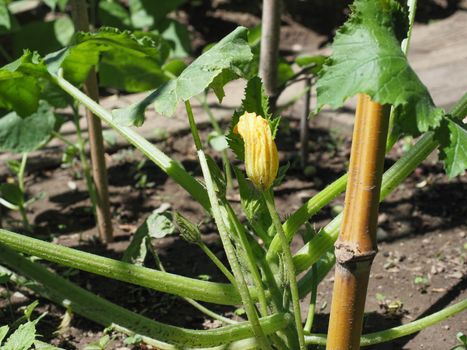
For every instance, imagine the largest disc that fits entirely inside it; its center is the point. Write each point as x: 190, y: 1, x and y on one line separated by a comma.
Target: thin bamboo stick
x: 356, y: 246
x: 96, y: 142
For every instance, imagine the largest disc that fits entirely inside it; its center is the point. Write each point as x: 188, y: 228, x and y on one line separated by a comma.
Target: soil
x: 420, y: 267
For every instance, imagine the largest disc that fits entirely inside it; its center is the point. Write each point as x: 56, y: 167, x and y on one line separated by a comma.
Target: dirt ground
x: 420, y: 267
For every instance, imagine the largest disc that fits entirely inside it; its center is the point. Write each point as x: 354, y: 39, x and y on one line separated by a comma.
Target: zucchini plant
x: 368, y: 61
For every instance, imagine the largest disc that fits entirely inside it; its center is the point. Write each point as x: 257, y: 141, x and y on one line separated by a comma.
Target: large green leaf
x: 20, y: 87
x: 134, y: 56
x: 453, y: 146
x: 230, y: 54
x: 26, y: 134
x: 367, y: 58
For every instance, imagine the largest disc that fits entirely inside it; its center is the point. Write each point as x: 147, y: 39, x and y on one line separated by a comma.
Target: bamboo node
x: 349, y: 252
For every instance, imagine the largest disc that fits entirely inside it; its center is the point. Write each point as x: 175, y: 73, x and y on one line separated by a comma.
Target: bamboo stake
x: 96, y: 142
x: 356, y: 246
x: 270, y: 38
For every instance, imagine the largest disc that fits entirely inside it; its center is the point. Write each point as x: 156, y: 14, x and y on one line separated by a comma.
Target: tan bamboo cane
x: 96, y: 142
x: 356, y: 246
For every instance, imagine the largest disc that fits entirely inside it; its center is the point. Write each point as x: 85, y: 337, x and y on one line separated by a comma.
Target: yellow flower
x: 261, y: 158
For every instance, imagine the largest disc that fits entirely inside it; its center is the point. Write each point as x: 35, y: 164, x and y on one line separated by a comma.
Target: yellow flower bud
x: 261, y: 158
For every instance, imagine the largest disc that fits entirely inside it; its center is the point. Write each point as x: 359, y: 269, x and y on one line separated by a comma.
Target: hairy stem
x: 289, y: 267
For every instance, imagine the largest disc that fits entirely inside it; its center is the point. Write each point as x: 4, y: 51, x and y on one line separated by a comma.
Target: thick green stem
x: 218, y: 293
x: 289, y: 267
x: 400, y: 331
x: 231, y: 256
x: 63, y: 292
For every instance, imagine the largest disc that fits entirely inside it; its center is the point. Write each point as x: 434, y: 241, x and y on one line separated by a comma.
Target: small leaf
x: 113, y: 14
x: 218, y: 142
x: 177, y: 36
x: 230, y: 53
x: 147, y: 13
x: 12, y: 194
x: 3, y: 332
x: 39, y: 345
x: 157, y: 225
x: 453, y: 146
x: 367, y: 58
x: 160, y: 225
x: 4, y: 15
x: 30, y: 309
x: 22, y: 338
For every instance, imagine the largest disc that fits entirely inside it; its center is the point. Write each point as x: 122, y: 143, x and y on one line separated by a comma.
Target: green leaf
x: 452, y: 137
x: 177, y: 36
x: 174, y: 67
x: 229, y: 54
x: 12, y: 194
x: 217, y: 142
x: 128, y: 60
x: 42, y: 36
x: 5, y: 21
x: 160, y: 224
x: 315, y: 62
x: 39, y: 345
x: 19, y: 85
x: 147, y: 13
x: 3, y: 332
x: 113, y: 14
x: 27, y: 134
x: 367, y: 58
x: 22, y: 338
x: 30, y: 309
x: 157, y: 225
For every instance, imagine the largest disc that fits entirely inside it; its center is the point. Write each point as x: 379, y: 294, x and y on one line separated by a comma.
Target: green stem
x: 218, y: 263
x: 165, y: 163
x: 61, y: 291
x: 250, y: 258
x: 217, y: 128
x: 289, y: 267
x: 312, y: 307
x: 21, y: 205
x: 231, y: 256
x: 218, y: 293
x: 193, y: 127
x: 242, y: 286
x: 400, y: 331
